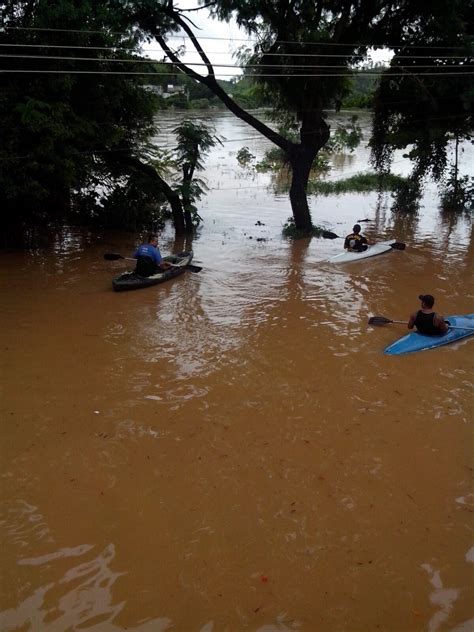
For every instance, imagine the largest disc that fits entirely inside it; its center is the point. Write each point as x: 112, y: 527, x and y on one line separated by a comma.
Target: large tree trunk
x: 188, y: 220
x: 298, y: 197
x: 176, y: 209
x: 314, y: 134
x: 188, y: 172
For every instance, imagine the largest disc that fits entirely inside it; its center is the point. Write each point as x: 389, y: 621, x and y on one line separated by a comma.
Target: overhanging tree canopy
x: 426, y: 98
x: 57, y: 123
x: 303, y: 52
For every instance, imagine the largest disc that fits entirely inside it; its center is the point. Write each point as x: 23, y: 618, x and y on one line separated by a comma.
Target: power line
x: 263, y: 75
x: 160, y: 50
x: 237, y: 67
x: 50, y: 30
x: 227, y: 39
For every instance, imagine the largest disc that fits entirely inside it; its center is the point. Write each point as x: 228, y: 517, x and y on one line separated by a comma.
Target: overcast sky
x: 218, y: 39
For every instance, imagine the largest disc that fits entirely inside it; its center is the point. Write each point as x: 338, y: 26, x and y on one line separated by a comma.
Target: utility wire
x: 183, y: 36
x: 160, y: 50
x: 263, y: 75
x: 237, y: 67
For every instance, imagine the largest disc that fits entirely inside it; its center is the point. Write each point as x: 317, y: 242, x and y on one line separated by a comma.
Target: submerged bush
x: 290, y: 230
x: 457, y: 194
x: 359, y: 183
x: 245, y: 156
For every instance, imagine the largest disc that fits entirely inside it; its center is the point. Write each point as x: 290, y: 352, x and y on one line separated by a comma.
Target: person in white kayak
x: 355, y: 242
x: 426, y: 321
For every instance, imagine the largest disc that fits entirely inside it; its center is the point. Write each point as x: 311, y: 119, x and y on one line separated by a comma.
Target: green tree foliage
x: 291, y: 61
x: 194, y: 140
x: 344, y: 139
x: 57, y: 128
x: 457, y: 192
x: 157, y: 174
x: 283, y: 31
x: 75, y: 145
x: 246, y: 93
x: 425, y: 100
x: 362, y: 88
x: 196, y: 95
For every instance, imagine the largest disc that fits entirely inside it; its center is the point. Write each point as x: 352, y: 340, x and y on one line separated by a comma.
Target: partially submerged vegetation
x: 457, y: 194
x: 74, y: 126
x: 290, y: 230
x: 358, y: 183
x: 344, y: 139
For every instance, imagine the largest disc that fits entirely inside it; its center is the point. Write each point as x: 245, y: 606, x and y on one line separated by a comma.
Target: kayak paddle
x: 381, y: 320
x: 113, y: 256
x: 397, y: 245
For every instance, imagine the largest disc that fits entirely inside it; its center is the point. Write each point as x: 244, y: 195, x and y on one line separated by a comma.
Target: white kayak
x: 376, y: 249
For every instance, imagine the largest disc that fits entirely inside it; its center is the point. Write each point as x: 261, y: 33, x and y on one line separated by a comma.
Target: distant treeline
x: 189, y: 94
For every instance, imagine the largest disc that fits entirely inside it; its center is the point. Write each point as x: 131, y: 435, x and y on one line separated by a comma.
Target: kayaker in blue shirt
x: 149, y: 259
x: 427, y: 321
x: 355, y: 242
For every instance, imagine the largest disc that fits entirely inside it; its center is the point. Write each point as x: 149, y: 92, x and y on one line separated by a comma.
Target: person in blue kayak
x: 427, y: 321
x: 355, y: 242
x: 149, y: 259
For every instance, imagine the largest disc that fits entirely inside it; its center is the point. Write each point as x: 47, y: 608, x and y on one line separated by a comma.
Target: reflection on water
x: 443, y: 598
x: 232, y: 450
x: 23, y: 523
x: 80, y: 599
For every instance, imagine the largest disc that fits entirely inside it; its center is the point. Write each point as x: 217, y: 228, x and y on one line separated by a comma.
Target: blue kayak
x: 418, y: 342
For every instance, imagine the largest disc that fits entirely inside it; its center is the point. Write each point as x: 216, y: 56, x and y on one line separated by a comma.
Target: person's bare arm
x: 411, y: 321
x: 439, y: 322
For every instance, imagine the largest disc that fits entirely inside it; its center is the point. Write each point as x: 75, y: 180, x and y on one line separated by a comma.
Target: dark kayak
x: 419, y: 342
x: 132, y: 281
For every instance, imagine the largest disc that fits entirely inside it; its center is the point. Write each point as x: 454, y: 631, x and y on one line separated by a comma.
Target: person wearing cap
x: 355, y: 242
x: 427, y: 321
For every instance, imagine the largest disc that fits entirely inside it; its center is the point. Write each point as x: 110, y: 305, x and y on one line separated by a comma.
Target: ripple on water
x: 174, y: 396
x: 441, y: 597
x: 24, y: 523
x: 263, y: 352
x: 82, y: 598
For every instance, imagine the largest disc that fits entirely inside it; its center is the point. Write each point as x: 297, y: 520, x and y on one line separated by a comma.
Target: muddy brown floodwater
x: 232, y: 450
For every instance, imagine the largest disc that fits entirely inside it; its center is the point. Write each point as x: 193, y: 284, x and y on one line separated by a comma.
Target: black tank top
x: 425, y: 325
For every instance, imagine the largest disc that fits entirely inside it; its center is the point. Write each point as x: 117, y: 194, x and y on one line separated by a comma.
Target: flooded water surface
x: 231, y: 450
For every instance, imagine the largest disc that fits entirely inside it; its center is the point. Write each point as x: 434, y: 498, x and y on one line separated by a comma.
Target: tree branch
x: 211, y: 82
x: 177, y: 18
x: 127, y: 160
x: 343, y: 21
x: 203, y: 6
